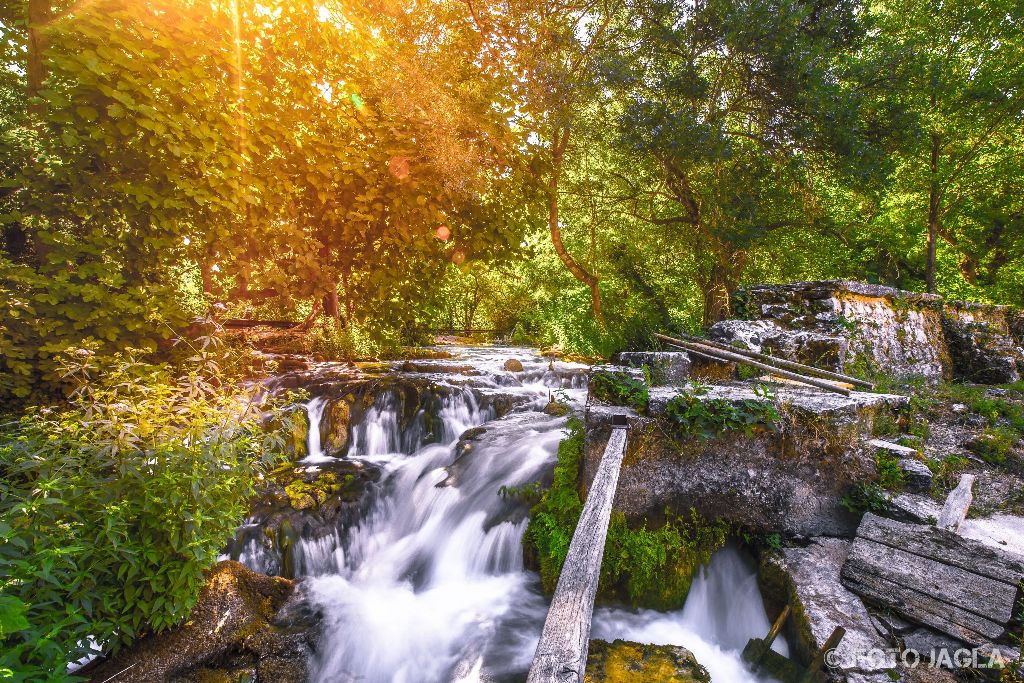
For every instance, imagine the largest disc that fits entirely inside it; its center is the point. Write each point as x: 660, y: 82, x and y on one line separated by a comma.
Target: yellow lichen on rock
x: 624, y: 661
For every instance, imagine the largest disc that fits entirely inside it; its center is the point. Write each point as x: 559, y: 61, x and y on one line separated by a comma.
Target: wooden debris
x: 954, y: 512
x: 759, y: 654
x: 780, y: 362
x: 932, y: 576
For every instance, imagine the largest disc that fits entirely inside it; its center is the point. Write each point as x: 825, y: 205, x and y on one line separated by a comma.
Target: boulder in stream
x: 624, y: 661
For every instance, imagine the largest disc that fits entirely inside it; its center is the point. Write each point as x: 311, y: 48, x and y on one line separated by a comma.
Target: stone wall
x: 858, y: 327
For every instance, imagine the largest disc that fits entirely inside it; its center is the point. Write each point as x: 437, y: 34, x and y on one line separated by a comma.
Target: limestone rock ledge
x: 624, y: 661
x: 790, y: 480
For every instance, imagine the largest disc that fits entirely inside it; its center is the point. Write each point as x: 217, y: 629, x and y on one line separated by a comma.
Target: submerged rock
x: 513, y: 365
x: 242, y: 622
x: 624, y: 661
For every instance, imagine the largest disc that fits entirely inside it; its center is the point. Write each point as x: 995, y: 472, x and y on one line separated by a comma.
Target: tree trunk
x: 558, y: 144
x: 38, y: 14
x: 721, y: 283
x: 332, y: 305
x: 934, y: 205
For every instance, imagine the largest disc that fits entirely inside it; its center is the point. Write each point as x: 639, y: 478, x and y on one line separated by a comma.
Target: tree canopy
x: 605, y: 167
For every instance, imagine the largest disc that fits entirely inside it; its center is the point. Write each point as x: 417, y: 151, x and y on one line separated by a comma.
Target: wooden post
x: 954, y: 512
x: 561, y: 655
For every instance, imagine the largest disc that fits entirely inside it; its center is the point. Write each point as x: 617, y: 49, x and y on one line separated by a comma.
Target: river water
x: 430, y: 586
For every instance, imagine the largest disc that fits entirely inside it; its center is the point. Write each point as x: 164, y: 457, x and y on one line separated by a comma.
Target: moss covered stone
x: 623, y: 661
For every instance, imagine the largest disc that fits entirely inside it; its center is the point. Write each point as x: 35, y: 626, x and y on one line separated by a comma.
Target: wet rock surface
x: 808, y: 580
x: 243, y: 623
x: 623, y: 661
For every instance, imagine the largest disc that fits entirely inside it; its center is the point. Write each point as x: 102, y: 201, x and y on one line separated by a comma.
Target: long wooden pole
x: 781, y: 362
x: 716, y: 354
x: 561, y: 655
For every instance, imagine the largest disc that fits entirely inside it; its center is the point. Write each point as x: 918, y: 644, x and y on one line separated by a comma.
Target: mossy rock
x: 303, y: 495
x: 334, y: 431
x: 513, y: 365
x: 624, y: 661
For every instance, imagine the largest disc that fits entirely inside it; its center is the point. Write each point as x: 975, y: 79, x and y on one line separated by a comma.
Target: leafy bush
x: 890, y: 474
x: 114, y: 505
x: 649, y: 567
x: 863, y: 498
x: 994, y: 444
x: 692, y: 413
x: 619, y: 388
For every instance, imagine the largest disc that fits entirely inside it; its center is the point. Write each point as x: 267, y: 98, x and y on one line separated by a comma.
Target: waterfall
x: 315, y: 413
x: 722, y: 612
x: 429, y: 584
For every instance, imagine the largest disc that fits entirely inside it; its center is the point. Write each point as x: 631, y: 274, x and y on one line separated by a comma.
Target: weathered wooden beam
x: 942, y: 546
x: 959, y: 500
x: 561, y: 655
x: 935, y: 577
x: 781, y: 362
x: 728, y: 356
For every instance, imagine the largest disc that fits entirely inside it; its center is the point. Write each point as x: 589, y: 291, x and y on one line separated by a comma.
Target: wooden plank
x: 561, y: 655
x: 944, y: 546
x: 954, y: 512
x: 961, y: 588
x: 921, y: 608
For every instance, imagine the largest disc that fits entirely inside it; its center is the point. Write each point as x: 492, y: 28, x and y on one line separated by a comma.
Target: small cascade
x: 722, y: 612
x: 315, y: 413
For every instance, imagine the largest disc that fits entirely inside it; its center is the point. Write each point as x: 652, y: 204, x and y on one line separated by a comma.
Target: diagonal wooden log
x: 561, y: 655
x: 780, y: 362
x: 728, y: 356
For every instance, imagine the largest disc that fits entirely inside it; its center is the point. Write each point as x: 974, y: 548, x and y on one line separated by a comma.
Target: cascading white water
x: 315, y: 413
x: 430, y: 585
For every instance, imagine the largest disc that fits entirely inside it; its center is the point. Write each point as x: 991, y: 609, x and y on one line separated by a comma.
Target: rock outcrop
x: 791, y: 478
x: 624, y: 661
x: 858, y: 327
x: 808, y: 580
x: 243, y: 623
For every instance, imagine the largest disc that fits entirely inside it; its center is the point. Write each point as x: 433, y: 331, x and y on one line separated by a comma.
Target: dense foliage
x: 570, y: 174
x: 113, y: 506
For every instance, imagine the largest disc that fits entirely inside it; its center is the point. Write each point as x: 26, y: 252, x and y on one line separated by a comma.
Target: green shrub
x: 692, y: 413
x: 113, y: 506
x: 890, y: 474
x: 863, y: 498
x: 619, y: 388
x: 994, y: 444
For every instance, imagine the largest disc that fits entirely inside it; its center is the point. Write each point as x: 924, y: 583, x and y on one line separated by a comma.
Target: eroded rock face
x: 243, y: 622
x: 623, y: 661
x: 791, y: 480
x: 808, y: 580
x: 981, y: 343
x: 844, y: 325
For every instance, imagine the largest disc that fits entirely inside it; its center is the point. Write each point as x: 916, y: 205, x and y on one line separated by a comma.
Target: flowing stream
x: 430, y: 586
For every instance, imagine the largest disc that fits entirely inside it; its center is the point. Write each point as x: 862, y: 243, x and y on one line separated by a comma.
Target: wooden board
x: 934, y: 577
x: 561, y: 655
